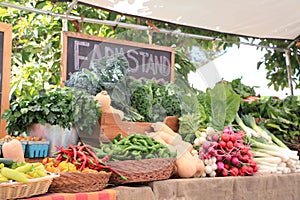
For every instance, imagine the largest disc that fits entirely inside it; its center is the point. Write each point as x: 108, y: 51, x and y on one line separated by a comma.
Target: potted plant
x: 53, y: 114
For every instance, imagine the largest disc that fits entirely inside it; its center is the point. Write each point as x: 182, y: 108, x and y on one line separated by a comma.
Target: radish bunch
x: 205, y: 142
x: 226, y: 154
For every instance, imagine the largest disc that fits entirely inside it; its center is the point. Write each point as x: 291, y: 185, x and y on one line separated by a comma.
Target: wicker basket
x: 74, y: 182
x: 36, y: 186
x: 142, y: 170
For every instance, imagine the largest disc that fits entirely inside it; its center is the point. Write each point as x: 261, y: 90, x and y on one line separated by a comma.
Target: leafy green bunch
x: 154, y: 101
x: 65, y: 107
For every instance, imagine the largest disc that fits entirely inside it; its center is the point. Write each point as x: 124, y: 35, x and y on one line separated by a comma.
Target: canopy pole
x: 289, y: 70
x: 70, y: 8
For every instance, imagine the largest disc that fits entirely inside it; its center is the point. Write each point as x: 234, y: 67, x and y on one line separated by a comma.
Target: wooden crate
x: 111, y: 125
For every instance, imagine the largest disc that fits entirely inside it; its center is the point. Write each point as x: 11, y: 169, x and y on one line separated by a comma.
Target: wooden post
x: 289, y: 70
x: 6, y: 30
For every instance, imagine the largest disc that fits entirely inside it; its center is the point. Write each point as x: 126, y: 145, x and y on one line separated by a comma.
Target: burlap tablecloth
x: 259, y: 187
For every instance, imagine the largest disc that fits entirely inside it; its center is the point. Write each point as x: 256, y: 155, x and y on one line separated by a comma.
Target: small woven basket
x: 74, y: 182
x: 145, y: 170
x: 16, y: 190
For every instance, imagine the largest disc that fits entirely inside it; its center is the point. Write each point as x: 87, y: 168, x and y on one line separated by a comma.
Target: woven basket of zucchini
x: 138, y: 158
x: 22, y: 180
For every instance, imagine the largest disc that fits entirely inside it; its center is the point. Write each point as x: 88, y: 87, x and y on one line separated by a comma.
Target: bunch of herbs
x: 64, y: 107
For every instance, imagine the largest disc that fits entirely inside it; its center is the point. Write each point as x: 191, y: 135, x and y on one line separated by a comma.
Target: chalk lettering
x: 166, y: 67
x: 145, y: 62
x: 151, y: 66
x: 144, y: 55
x: 130, y: 55
x: 96, y: 52
x: 77, y: 57
x: 109, y: 52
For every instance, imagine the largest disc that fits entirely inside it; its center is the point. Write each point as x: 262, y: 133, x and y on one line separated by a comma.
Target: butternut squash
x: 12, y: 148
x: 169, y: 139
x: 156, y: 137
x: 160, y: 126
x: 104, y: 100
x: 185, y: 166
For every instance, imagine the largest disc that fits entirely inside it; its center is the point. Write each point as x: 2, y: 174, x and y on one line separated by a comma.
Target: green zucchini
x: 6, y: 161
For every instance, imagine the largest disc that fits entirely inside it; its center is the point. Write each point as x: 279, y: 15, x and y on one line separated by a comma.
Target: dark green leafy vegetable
x: 241, y: 89
x: 85, y: 80
x: 61, y: 106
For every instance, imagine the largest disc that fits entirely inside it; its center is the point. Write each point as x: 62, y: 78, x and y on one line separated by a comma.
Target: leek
x: 270, y: 160
x: 249, y: 131
x: 275, y: 139
x: 283, y: 156
x: 274, y: 147
x: 250, y: 121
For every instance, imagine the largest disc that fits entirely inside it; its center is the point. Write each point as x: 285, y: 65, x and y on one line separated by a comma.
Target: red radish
x: 235, y: 161
x: 206, y: 145
x: 255, y: 169
x: 244, y: 169
x: 222, y: 144
x: 246, y: 158
x: 234, y: 171
x: 215, y: 137
x: 241, y: 173
x: 225, y: 137
x: 224, y: 172
x: 220, y: 165
x: 252, y: 163
x: 233, y: 138
x: 249, y: 170
x: 233, y: 153
x: 219, y: 158
x: 232, y: 156
x: 228, y: 157
x: 226, y: 166
x: 226, y: 130
x: 240, y: 157
x: 229, y: 145
x: 236, y: 144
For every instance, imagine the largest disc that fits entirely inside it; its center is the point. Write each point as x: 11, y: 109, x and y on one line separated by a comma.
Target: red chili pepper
x: 101, y: 167
x: 74, y: 151
x: 105, y: 158
x: 93, y: 155
x: 83, y: 163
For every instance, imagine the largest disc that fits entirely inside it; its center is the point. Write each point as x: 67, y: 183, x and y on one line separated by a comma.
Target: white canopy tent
x: 255, y: 18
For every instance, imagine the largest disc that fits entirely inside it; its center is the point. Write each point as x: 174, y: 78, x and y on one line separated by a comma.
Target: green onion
x: 249, y: 131
x: 250, y: 121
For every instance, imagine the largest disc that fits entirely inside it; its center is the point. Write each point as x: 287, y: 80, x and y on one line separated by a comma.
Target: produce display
x: 271, y: 154
x: 13, y: 144
x: 187, y: 165
x: 76, y: 158
x: 134, y: 147
x: 227, y: 130
x: 279, y: 116
x: 223, y: 132
x: 20, y: 172
x: 225, y: 153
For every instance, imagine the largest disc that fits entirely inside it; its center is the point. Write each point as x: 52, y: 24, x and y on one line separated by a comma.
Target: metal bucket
x: 56, y: 135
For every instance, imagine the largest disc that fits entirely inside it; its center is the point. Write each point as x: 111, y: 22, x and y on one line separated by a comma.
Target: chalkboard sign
x: 145, y: 61
x: 5, y: 62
